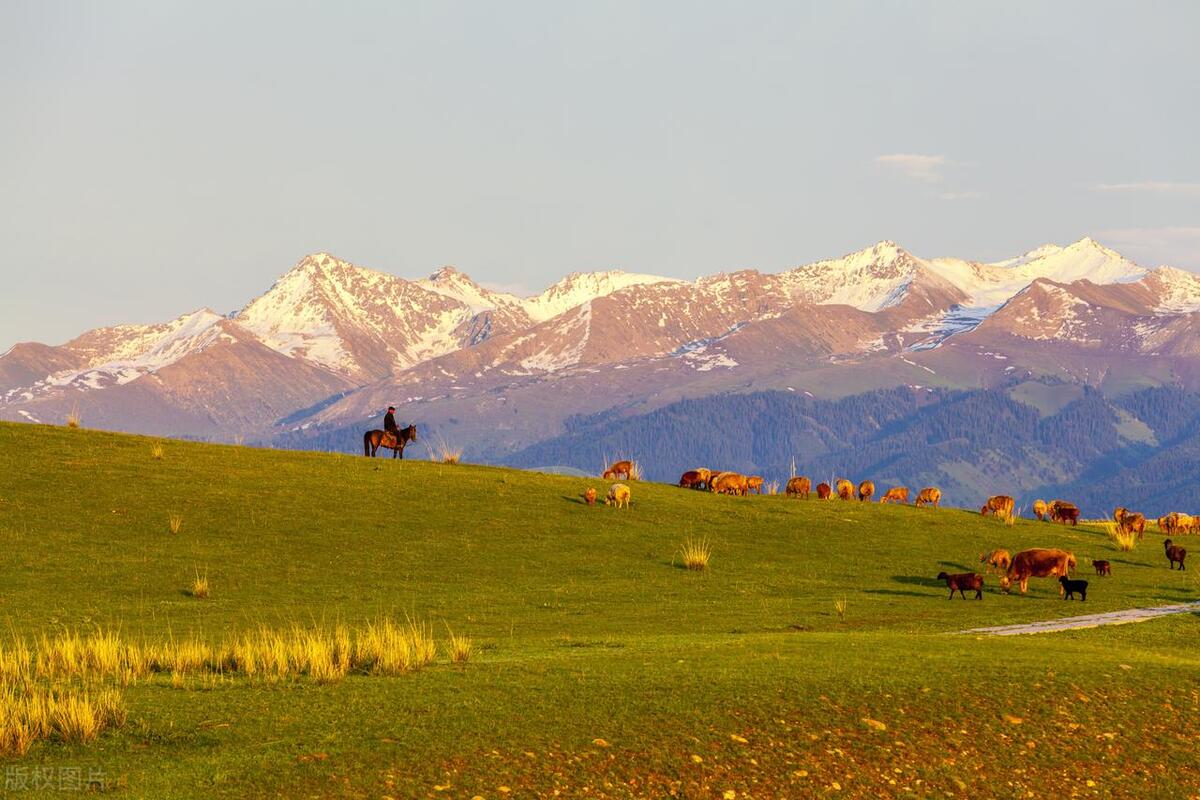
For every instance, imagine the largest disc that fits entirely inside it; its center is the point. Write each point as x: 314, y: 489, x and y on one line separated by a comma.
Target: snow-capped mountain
x: 331, y: 342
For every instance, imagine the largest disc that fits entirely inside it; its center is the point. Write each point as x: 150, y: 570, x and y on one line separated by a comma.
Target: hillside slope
x: 602, y: 668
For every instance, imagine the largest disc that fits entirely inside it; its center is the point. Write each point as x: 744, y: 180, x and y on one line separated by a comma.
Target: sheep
x: 1041, y: 510
x: 824, y: 492
x: 692, y: 479
x: 866, y: 490
x: 997, y: 560
x: 1071, y: 588
x: 589, y: 496
x: 754, y: 483
x: 930, y: 495
x: 1175, y: 554
x: 962, y: 581
x: 798, y: 486
x: 896, y: 494
x: 1102, y: 567
x: 845, y: 489
x: 618, y: 494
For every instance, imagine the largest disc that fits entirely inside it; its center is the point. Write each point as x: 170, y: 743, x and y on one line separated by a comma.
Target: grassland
x: 601, y: 666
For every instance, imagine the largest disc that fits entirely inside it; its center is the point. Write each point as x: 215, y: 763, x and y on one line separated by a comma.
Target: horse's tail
x: 367, y: 444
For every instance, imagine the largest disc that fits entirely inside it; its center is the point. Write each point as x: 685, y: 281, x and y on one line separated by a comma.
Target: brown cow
x: 1119, y: 513
x: 798, y: 486
x: 930, y: 495
x: 866, y: 490
x: 824, y: 492
x: 705, y: 474
x: 896, y: 494
x: 845, y: 489
x: 1037, y: 562
x: 1064, y: 512
x: 1041, y: 510
x: 755, y: 483
x: 729, y: 483
x: 691, y: 480
x: 1132, y: 522
x: 620, y: 469
x: 997, y: 561
x: 1000, y: 505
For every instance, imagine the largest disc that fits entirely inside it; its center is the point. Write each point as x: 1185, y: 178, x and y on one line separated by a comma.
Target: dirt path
x: 1089, y: 620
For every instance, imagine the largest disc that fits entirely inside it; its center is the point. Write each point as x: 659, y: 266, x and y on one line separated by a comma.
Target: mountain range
x: 317, y: 358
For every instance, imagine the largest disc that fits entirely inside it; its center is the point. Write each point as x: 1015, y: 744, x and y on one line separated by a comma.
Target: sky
x: 157, y: 157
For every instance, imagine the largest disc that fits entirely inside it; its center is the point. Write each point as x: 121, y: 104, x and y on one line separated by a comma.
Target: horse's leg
x: 400, y: 451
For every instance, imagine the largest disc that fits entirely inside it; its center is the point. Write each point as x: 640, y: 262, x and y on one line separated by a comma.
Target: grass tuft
x: 839, y: 606
x: 200, y: 587
x: 174, y: 523
x: 771, y: 487
x: 73, y: 419
x: 1124, y: 540
x: 461, y: 647
x: 156, y: 451
x: 695, y: 553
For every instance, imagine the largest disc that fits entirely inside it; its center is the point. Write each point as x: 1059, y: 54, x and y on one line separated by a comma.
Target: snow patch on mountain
x: 131, y: 351
x: 567, y: 347
x: 1178, y: 291
x: 581, y: 287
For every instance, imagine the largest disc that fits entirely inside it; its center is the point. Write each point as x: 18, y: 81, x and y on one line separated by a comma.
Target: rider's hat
x: 391, y: 408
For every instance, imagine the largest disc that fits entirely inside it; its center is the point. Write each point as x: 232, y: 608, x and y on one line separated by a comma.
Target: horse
x: 373, y: 440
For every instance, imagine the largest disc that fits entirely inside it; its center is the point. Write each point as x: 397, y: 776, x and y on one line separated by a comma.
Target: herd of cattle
x: 1037, y: 562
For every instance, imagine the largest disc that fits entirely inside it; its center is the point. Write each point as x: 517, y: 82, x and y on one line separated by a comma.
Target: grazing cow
x: 705, y: 474
x: 754, y: 483
x: 589, y: 496
x: 1175, y: 554
x: 621, y: 469
x: 1071, y: 588
x: 692, y: 479
x: 1102, y: 567
x: 961, y: 582
x: 845, y: 489
x: 1064, y: 512
x: 824, y: 492
x: 997, y: 560
x: 896, y: 494
x: 1041, y: 510
x: 1037, y: 562
x: 729, y: 483
x: 866, y: 490
x: 618, y: 495
x: 930, y: 495
x: 1131, y: 522
x: 798, y: 486
x: 1000, y: 505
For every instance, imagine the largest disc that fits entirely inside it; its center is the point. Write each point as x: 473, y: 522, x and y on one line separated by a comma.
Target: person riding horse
x: 389, y: 423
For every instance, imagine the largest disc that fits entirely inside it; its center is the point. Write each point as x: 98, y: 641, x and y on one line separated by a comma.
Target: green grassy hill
x: 603, y: 668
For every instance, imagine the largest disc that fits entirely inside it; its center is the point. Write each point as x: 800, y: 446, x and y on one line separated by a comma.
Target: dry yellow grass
x: 771, y: 487
x: 839, y: 606
x: 73, y: 419
x: 156, y: 451
x: 199, y: 588
x: 461, y: 648
x: 33, y: 712
x: 695, y: 553
x: 174, y: 523
x: 1123, y: 539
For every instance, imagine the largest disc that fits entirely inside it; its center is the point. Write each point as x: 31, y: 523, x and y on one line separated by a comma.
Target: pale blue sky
x: 159, y: 156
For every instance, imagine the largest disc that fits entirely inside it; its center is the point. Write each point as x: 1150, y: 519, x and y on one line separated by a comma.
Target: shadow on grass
x: 955, y: 565
x: 902, y: 592
x: 918, y: 580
